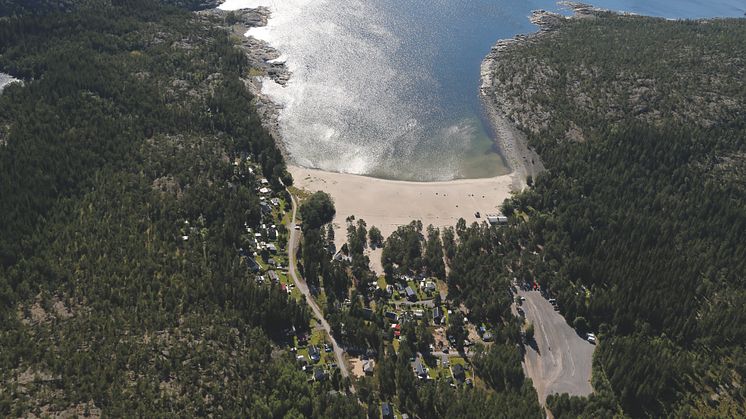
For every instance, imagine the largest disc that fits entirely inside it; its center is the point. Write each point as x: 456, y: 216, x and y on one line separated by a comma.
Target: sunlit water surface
x: 389, y: 88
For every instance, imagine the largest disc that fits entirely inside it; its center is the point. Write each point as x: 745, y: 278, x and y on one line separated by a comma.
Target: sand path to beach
x: 388, y: 204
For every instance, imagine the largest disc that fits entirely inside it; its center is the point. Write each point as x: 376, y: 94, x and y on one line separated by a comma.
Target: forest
x: 124, y: 189
x: 130, y: 163
x: 637, y: 225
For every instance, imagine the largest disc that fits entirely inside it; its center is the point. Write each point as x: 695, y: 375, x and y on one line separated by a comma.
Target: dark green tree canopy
x: 317, y: 210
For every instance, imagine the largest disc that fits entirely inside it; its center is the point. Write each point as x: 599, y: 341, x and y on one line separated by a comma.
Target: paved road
x: 303, y: 287
x: 563, y: 361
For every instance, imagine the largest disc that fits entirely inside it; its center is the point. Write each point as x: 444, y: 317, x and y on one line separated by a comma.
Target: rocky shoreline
x: 263, y: 60
x: 513, y: 142
x: 6, y: 79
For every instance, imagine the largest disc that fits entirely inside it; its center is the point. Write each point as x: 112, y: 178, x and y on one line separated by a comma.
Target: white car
x: 590, y: 337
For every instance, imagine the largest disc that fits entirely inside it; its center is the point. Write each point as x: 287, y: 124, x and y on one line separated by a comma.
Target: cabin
x: 411, y: 295
x: 427, y: 286
x: 314, y: 353
x: 272, y: 248
x: 319, y: 374
x: 252, y: 265
x: 266, y: 209
x: 273, y: 276
x: 341, y: 257
x: 369, y: 366
x: 387, y: 412
x: 458, y: 373
x: 437, y: 315
x: 391, y: 316
x: 419, y: 370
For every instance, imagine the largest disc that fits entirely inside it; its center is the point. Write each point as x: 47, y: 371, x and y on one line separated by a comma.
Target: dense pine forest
x: 638, y: 225
x: 129, y: 162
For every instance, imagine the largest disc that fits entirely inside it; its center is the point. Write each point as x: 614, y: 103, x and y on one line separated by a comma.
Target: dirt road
x: 303, y: 287
x: 562, y: 363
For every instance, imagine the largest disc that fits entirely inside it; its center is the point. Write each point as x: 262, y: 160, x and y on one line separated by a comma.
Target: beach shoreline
x: 388, y: 204
x: 263, y: 60
x: 511, y: 140
x: 384, y: 203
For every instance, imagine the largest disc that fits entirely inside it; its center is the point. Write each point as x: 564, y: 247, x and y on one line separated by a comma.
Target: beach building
x: 496, y: 219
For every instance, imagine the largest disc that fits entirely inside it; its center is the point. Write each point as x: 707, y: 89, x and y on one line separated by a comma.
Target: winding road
x: 303, y: 287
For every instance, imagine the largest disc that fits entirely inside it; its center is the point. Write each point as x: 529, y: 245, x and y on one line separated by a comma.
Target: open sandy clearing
x: 388, y: 204
x: 561, y: 361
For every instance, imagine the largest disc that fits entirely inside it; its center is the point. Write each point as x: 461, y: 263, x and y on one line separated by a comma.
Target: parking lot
x: 560, y: 360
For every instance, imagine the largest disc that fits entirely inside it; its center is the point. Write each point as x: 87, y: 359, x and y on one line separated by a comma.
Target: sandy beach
x: 388, y: 204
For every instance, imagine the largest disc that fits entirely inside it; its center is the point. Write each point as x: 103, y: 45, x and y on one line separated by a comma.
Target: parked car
x: 590, y: 337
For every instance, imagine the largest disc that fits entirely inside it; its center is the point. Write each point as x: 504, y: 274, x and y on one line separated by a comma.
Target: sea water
x: 389, y: 88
